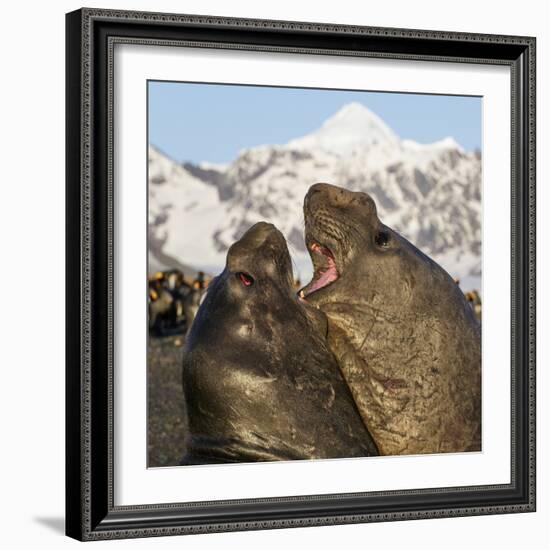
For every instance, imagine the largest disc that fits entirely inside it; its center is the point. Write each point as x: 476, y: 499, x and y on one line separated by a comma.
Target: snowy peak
x: 351, y: 128
x: 359, y: 122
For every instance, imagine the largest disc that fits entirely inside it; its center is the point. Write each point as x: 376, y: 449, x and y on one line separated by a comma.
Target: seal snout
x: 325, y: 194
x: 262, y: 233
x: 261, y: 249
x: 316, y: 193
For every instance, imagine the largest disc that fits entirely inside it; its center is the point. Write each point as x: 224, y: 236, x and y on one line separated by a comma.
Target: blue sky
x: 213, y: 122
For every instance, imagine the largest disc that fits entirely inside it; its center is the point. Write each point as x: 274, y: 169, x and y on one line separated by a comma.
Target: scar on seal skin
x: 259, y: 380
x: 404, y: 336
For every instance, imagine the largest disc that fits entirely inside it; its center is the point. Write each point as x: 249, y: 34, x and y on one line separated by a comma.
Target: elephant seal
x: 260, y: 383
x: 404, y: 336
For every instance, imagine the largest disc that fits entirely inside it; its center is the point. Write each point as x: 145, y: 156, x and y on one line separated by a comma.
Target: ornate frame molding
x: 91, y: 36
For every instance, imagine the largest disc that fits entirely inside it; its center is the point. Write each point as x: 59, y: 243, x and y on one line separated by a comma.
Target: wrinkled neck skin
x: 408, y: 345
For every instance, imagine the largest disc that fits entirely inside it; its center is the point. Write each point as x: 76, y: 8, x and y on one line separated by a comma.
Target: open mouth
x: 325, y: 269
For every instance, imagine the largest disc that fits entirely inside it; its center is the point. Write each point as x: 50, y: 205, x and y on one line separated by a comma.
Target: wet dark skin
x: 259, y: 380
x: 404, y: 336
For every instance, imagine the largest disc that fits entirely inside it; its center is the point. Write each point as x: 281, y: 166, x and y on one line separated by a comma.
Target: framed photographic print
x: 300, y: 274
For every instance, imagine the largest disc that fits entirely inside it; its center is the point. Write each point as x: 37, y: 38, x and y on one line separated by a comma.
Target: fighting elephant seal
x: 405, y: 338
x: 259, y: 380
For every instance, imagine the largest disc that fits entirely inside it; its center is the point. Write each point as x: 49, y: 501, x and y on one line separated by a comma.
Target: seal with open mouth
x: 259, y: 380
x: 405, y: 338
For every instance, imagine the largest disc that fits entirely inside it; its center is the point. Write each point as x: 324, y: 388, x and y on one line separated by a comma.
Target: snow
x: 445, y: 143
x: 213, y: 166
x: 352, y: 127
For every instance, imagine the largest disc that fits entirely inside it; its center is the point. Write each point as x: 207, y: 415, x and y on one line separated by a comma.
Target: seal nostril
x: 245, y: 278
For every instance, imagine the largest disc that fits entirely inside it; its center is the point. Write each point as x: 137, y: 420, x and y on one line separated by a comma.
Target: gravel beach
x: 165, y: 419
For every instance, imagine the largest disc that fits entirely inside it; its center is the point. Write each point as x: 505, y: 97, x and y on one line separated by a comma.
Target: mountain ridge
x: 431, y: 193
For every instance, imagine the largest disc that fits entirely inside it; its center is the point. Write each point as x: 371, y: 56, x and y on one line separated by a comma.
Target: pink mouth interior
x: 329, y: 274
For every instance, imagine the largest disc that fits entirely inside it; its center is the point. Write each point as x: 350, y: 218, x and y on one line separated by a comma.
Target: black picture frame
x: 90, y: 510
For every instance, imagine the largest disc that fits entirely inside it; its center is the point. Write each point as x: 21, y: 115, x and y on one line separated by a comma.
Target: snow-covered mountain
x: 429, y: 193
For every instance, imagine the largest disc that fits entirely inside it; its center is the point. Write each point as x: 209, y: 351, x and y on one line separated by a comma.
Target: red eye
x: 245, y: 278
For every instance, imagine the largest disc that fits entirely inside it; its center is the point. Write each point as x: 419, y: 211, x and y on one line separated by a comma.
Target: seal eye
x: 245, y: 278
x: 382, y: 239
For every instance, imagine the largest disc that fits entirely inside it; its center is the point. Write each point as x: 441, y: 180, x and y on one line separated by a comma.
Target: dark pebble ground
x: 165, y: 418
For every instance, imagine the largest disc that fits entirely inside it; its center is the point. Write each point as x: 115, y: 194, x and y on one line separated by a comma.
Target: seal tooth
x: 301, y: 294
